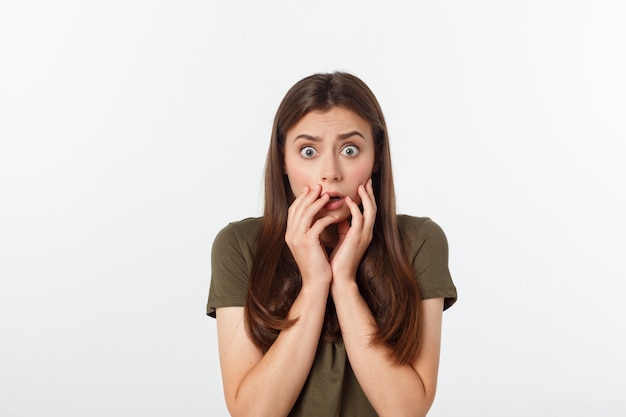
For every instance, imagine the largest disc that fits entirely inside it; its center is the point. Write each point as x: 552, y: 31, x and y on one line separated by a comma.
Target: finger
x: 369, y: 204
x: 308, y: 225
x: 342, y: 229
x: 308, y: 214
x: 299, y: 207
x: 293, y: 208
x: 369, y: 186
x: 366, y: 192
x: 294, y: 215
x: 322, y: 223
x: 357, y: 216
x: 305, y: 198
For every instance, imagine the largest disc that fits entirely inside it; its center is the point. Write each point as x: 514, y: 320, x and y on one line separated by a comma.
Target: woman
x: 331, y: 303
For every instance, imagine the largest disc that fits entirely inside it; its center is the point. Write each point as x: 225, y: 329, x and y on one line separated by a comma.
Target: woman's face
x: 334, y: 149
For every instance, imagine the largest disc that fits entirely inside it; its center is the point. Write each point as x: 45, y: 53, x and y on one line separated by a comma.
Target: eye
x: 308, y: 152
x: 350, y: 150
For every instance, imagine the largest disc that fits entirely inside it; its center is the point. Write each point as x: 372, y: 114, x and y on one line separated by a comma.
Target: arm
x: 392, y: 389
x: 257, y: 384
x: 269, y: 385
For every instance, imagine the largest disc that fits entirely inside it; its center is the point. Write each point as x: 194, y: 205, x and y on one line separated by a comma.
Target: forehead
x: 336, y: 120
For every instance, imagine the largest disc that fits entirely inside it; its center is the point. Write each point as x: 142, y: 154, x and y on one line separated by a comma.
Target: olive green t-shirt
x: 331, y: 388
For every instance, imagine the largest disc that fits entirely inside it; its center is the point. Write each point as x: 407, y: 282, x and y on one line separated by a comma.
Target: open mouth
x: 335, y: 202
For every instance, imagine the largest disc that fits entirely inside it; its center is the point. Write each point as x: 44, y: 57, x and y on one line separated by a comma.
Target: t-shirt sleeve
x: 230, y: 268
x: 430, y: 263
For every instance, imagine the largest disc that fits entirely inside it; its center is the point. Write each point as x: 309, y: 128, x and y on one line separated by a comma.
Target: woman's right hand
x: 303, y: 236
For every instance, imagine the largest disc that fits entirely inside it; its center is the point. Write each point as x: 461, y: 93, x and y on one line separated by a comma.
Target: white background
x: 132, y: 131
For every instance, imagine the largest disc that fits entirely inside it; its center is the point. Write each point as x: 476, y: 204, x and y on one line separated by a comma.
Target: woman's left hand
x: 354, y: 236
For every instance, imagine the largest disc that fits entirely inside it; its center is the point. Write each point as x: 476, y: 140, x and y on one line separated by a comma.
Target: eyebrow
x: 342, y: 136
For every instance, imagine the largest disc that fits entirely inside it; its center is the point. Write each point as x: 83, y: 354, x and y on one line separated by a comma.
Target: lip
x: 334, y: 194
x: 335, y: 202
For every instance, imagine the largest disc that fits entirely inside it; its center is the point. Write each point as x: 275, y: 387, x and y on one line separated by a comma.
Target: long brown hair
x: 385, y: 278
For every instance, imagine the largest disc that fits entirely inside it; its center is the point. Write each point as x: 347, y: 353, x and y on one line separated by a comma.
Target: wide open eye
x: 350, y: 150
x: 308, y: 152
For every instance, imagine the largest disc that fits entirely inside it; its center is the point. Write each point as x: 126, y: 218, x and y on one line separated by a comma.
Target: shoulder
x: 416, y: 231
x: 231, y: 260
x: 249, y: 225
x: 426, y: 248
x: 237, y: 240
x: 242, y: 232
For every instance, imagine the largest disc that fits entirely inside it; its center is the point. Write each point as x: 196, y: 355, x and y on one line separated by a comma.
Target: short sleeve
x: 428, y: 254
x: 231, y: 260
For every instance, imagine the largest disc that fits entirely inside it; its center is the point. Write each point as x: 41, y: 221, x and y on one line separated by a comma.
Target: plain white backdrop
x: 132, y: 131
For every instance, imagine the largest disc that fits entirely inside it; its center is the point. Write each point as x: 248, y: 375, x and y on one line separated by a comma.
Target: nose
x: 330, y: 171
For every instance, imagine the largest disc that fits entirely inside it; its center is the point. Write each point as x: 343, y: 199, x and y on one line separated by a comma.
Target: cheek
x: 297, y: 175
x: 363, y: 173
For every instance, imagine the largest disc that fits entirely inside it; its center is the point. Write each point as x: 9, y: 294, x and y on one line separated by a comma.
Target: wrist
x: 344, y: 287
x: 315, y: 286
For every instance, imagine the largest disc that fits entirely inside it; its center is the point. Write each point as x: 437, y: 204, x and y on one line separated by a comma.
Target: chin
x: 342, y: 216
